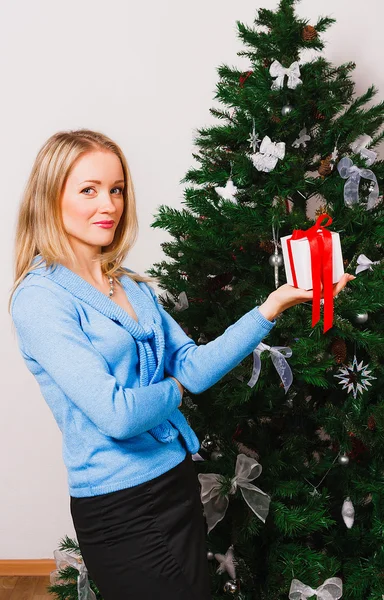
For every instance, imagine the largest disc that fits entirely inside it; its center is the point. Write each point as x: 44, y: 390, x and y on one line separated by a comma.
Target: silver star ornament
x: 227, y: 563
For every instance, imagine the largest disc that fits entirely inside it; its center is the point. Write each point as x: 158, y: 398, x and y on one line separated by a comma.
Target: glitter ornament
x: 348, y: 513
x: 355, y: 377
x: 228, y: 192
x: 343, y: 460
x: 230, y: 587
x: 253, y: 139
x: 227, y: 563
x: 361, y: 318
x: 286, y: 110
x: 276, y: 260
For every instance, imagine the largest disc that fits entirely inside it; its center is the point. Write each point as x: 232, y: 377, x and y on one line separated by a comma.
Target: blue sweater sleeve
x: 49, y: 332
x: 198, y: 367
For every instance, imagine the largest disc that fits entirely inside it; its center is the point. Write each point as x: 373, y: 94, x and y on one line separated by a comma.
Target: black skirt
x: 146, y: 542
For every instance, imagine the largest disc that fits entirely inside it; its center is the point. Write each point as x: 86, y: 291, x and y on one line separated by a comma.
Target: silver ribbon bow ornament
x: 359, y: 146
x: 65, y: 559
x: 278, y: 354
x: 293, y: 73
x: 268, y: 155
x: 364, y: 263
x: 215, y: 504
x: 182, y: 302
x: 353, y: 175
x: 331, y: 589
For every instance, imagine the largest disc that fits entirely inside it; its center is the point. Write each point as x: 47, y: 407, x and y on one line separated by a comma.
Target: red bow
x: 320, y: 243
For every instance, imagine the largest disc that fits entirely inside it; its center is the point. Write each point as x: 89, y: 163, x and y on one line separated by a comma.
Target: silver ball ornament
x: 287, y: 108
x: 208, y: 445
x: 276, y: 259
x: 343, y: 460
x: 230, y: 587
x: 216, y: 455
x: 361, y: 318
x: 210, y: 555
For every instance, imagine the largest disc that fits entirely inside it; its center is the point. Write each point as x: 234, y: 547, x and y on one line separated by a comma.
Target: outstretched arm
x: 200, y: 367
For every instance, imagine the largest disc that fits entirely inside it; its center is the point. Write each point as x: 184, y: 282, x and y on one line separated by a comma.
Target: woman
x: 112, y: 365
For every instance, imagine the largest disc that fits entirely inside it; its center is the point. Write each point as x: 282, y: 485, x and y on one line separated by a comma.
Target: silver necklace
x: 112, y: 286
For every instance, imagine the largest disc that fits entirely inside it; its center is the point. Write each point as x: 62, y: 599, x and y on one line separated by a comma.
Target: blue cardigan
x: 105, y: 376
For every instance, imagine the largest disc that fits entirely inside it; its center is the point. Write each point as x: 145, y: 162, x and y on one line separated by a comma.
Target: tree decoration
x: 364, y: 263
x: 343, y: 459
x: 325, y: 166
x: 277, y: 354
x: 348, y: 513
x: 359, y: 146
x: 64, y: 559
x: 361, y: 318
x: 253, y: 139
x: 309, y: 33
x: 270, y: 152
x: 331, y: 589
x: 279, y: 72
x: 355, y: 377
x: 227, y: 563
x: 267, y: 246
x: 371, y: 423
x: 339, y: 350
x: 353, y: 174
x: 244, y: 77
x: 286, y: 110
x: 302, y: 139
x: 228, y: 192
x: 215, y: 503
x: 275, y: 119
x: 230, y: 587
x: 358, y: 448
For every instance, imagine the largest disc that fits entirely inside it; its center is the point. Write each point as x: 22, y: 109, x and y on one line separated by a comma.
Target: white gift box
x: 302, y: 260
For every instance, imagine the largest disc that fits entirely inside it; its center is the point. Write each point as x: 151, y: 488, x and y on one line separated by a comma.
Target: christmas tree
x: 290, y: 133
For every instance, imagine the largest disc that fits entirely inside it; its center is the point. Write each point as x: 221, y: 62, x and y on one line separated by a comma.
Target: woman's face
x: 84, y: 202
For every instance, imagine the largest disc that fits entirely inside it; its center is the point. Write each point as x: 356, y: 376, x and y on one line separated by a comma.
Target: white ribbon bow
x: 359, y: 146
x: 331, y: 589
x: 293, y: 72
x: 353, y: 174
x: 277, y: 354
x: 182, y: 302
x: 65, y: 559
x: 268, y: 155
x: 364, y: 263
x: 215, y: 504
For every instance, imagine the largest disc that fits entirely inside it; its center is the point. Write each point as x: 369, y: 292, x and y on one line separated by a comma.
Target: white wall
x: 145, y: 74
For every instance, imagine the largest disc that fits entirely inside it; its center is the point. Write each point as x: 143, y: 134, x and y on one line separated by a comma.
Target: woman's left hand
x: 287, y: 296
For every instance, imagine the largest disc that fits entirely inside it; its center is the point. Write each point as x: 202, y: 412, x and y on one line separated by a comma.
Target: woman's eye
x: 91, y: 188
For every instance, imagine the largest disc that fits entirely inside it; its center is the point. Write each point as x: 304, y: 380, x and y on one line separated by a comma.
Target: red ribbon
x: 320, y: 244
x: 244, y: 77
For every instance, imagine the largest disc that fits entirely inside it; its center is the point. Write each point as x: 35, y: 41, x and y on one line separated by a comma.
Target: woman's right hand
x: 287, y: 296
x: 181, y: 388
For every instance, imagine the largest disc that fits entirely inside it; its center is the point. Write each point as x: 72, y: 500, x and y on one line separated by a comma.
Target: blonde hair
x: 40, y: 228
